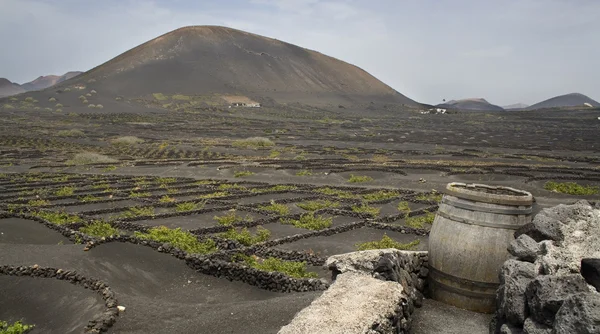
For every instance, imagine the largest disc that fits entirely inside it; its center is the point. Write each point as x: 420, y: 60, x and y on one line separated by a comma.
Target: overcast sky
x: 506, y: 51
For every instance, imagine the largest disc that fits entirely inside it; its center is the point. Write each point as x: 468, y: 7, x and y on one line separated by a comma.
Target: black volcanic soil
x: 53, y: 306
x: 189, y: 138
x: 161, y: 294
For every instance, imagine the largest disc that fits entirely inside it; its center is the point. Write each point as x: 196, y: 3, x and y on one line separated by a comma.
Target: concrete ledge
x: 354, y: 303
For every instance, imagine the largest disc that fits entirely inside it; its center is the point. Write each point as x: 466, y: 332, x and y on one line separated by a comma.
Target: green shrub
x: 181, y: 97
x: 245, y: 237
x: 138, y: 194
x: 166, y: 180
x: 166, y: 199
x: 254, y: 142
x: 336, y: 192
x: 99, y: 106
x: 430, y: 197
x: 138, y: 212
x: 359, y: 179
x: 65, y: 191
x: 29, y: 99
x: 231, y: 218
x: 365, y: 208
x: 52, y: 99
x: 15, y: 328
x: 380, y: 195
x: 183, y: 240
x: 71, y: 133
x: 242, y: 173
x: 279, y: 187
x: 58, y: 105
x: 189, y: 206
x: 305, y: 172
x: 571, y: 188
x: 274, y: 154
x: 99, y: 229
x: 214, y: 195
x: 403, y: 207
x: 271, y: 264
x: 160, y: 96
x: 387, y: 242
x: 127, y: 140
x: 280, y: 209
x: 109, y: 168
x: 317, y: 205
x: 91, y: 105
x: 310, y: 222
x: 38, y: 202
x: 89, y: 158
x: 227, y: 186
x: 58, y: 218
x: 420, y: 221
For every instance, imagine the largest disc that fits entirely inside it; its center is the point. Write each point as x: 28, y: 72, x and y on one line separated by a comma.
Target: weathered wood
x: 468, y: 242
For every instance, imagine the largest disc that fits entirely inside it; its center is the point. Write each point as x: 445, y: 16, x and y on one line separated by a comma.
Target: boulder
x: 542, y: 228
x: 579, y: 314
x: 510, y: 329
x: 590, y: 270
x: 524, y: 248
x: 546, y: 294
x: 514, y: 278
x: 532, y: 327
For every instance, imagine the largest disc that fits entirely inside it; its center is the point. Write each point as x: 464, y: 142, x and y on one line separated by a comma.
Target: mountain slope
x: 8, y: 88
x: 477, y: 104
x: 46, y: 81
x: 567, y: 100
x: 204, y: 60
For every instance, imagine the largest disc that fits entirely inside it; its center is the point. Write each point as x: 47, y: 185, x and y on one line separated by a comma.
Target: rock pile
x: 550, y: 285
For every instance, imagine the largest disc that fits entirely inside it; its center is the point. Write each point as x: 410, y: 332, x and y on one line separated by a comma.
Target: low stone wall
x: 543, y: 287
x: 356, y: 303
x: 374, y: 291
x: 100, y: 323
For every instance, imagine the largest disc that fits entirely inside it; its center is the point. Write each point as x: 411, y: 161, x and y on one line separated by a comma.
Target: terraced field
x: 194, y: 225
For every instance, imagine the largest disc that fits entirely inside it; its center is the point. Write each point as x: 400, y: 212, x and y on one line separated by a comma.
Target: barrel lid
x: 490, y: 194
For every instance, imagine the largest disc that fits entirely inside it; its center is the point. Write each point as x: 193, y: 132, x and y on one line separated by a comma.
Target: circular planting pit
x: 345, y: 242
x: 24, y: 231
x: 53, y: 306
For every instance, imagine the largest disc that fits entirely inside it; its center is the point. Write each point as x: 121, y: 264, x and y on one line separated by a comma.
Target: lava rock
x: 515, y: 276
x: 532, y: 327
x: 524, y: 248
x: 542, y: 228
x: 590, y: 270
x: 510, y: 329
x: 579, y: 314
x: 546, y: 294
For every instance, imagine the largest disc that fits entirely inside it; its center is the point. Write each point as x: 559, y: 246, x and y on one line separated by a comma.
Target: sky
x: 509, y: 51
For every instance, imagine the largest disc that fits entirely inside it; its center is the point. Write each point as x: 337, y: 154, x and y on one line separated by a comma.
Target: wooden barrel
x: 468, y: 242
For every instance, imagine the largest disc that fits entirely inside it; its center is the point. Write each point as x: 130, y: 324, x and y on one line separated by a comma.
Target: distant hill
x: 46, y: 81
x: 477, y: 104
x: 568, y: 100
x: 8, y: 88
x: 204, y: 60
x: 516, y: 106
